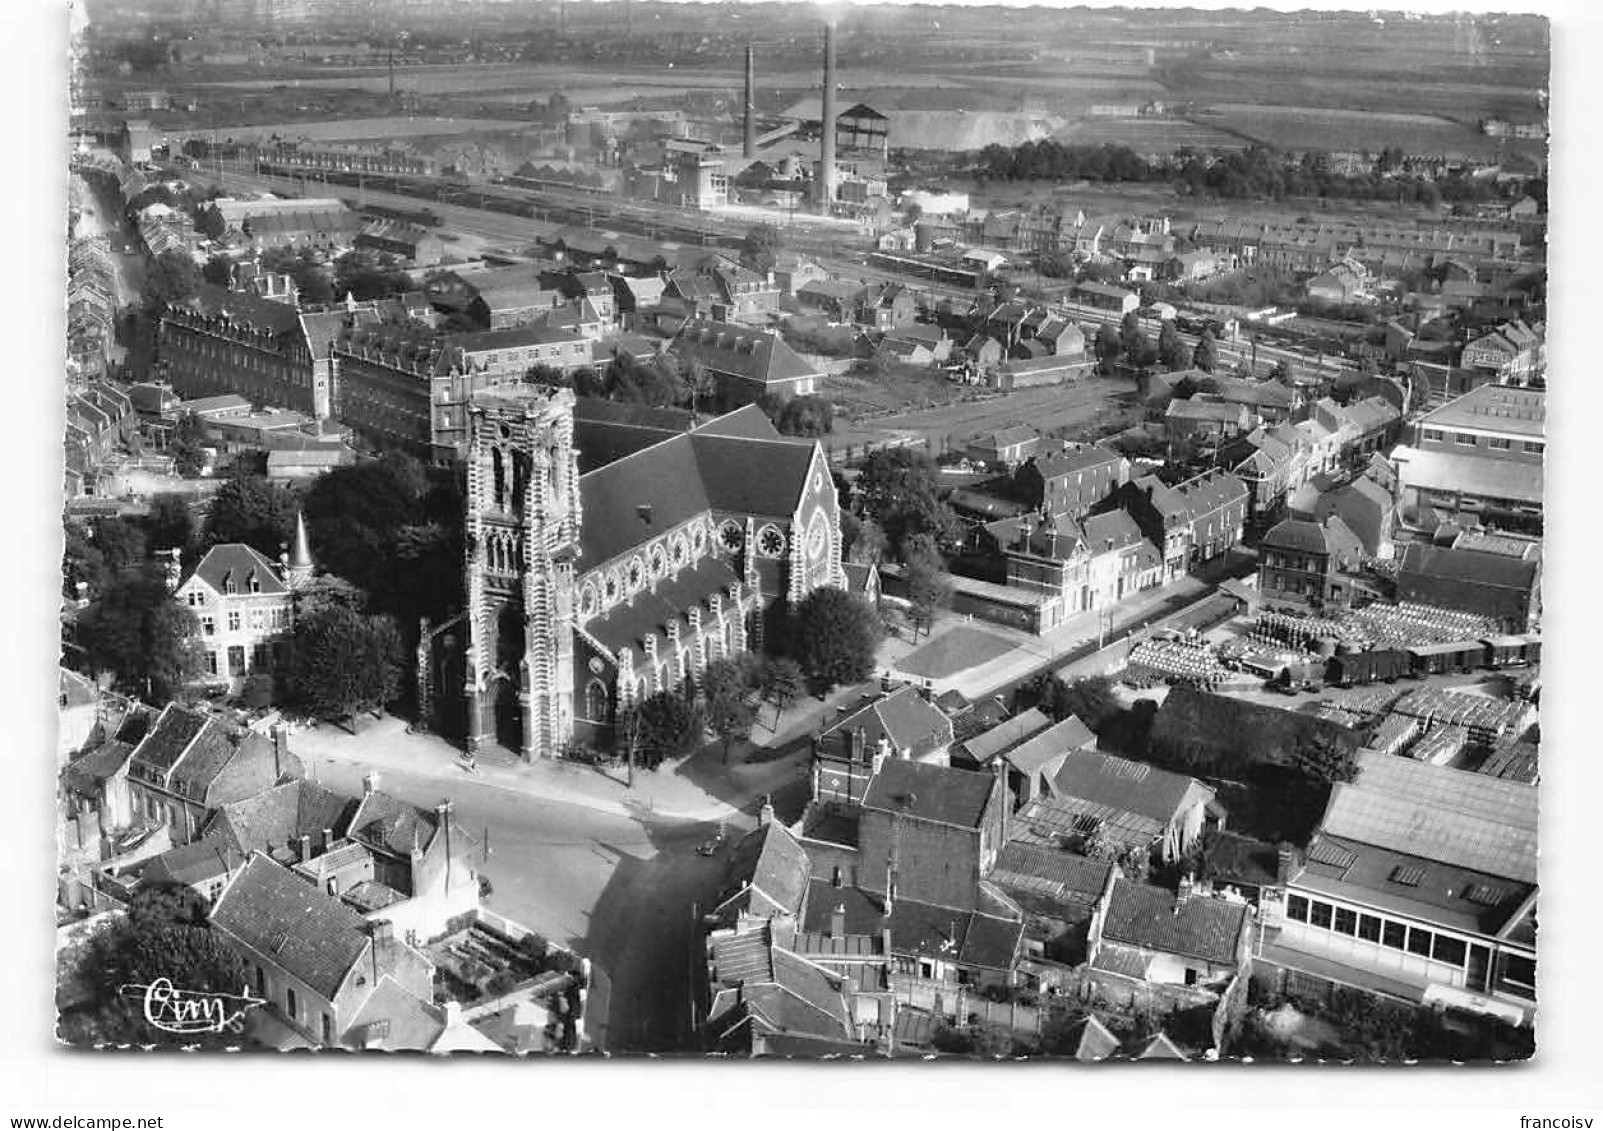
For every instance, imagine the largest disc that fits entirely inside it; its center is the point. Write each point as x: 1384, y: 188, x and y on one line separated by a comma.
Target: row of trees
x: 831, y: 639
x: 1256, y: 171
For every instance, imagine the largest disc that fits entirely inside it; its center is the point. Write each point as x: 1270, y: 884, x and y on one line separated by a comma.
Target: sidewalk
x: 1030, y: 652
x: 698, y: 787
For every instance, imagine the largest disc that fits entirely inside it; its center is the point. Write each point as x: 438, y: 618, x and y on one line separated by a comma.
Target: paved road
x: 617, y: 890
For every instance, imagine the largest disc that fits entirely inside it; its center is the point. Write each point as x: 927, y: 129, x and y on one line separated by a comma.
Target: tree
x: 188, y: 446
x: 209, y: 222
x: 928, y: 587
x: 1206, y: 356
x: 727, y: 687
x: 670, y: 726
x: 122, y: 544
x: 163, y: 935
x: 1091, y: 699
x: 304, y: 270
x: 1109, y: 348
x: 809, y: 415
x: 899, y: 490
x: 869, y: 544
x: 759, y: 250
x: 82, y: 563
x: 836, y: 635
x: 141, y: 635
x: 218, y: 271
x: 781, y: 682
x: 367, y: 275
x: 1283, y: 372
x: 1129, y: 330
x: 258, y: 690
x: 254, y: 510
x: 170, y: 525
x: 345, y: 663
x: 172, y: 279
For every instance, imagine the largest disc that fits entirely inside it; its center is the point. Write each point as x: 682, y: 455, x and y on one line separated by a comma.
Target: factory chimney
x: 826, y: 150
x: 749, y: 149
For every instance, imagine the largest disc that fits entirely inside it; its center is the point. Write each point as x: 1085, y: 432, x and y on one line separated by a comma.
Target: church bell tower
x: 522, y: 545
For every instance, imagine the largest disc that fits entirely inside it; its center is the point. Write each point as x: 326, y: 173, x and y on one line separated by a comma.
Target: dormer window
x: 255, y: 582
x: 229, y: 585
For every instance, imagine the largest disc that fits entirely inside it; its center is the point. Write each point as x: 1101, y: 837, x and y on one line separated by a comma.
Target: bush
x: 501, y: 982
x: 257, y: 694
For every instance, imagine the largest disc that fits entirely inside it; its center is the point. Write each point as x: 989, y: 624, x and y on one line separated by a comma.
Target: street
x: 617, y: 890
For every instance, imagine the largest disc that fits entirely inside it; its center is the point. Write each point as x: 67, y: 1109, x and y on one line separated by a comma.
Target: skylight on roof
x: 1326, y: 852
x: 1484, y: 894
x: 1408, y: 875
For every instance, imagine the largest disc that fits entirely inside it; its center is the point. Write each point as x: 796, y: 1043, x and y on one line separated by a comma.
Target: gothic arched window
x: 499, y: 477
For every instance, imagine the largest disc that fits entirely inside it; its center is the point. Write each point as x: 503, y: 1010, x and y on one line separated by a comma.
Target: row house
x: 190, y: 764
x: 1513, y: 353
x: 100, y: 421
x: 1070, y: 482
x: 1078, y: 567
x: 1192, y: 522
x: 1272, y: 463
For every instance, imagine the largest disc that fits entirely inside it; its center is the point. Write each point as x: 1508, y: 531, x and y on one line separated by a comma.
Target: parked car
x: 714, y: 843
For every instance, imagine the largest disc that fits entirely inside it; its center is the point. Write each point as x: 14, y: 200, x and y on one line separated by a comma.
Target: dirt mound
x: 955, y: 129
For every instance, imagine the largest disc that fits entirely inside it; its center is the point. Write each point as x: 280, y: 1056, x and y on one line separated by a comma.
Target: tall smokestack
x: 749, y: 149
x: 826, y: 151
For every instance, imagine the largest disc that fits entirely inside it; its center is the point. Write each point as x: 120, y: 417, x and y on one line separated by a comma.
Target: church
x: 613, y: 551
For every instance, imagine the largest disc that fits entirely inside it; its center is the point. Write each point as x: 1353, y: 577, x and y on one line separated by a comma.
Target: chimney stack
x: 837, y: 922
x: 370, y: 783
x: 280, y: 750
x: 1285, y: 861
x: 328, y: 839
x: 749, y: 148
x: 826, y: 149
x: 305, y: 848
x: 765, y: 815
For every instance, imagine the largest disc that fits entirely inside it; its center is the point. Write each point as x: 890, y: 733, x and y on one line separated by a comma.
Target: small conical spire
x: 350, y: 303
x: 298, y: 568
x: 302, y: 557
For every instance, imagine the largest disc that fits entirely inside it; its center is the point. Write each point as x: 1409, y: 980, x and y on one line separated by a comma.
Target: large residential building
x: 631, y: 550
x: 246, y: 610
x: 227, y: 342
x: 409, y: 387
x: 1306, y: 563
x: 1478, y: 456
x: 1071, y: 482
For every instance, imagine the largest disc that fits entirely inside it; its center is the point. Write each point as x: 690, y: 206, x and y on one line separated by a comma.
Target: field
x: 1088, y: 408
x: 370, y: 129
x: 955, y: 650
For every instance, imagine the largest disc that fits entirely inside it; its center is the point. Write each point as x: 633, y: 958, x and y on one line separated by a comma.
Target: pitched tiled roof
x: 410, y: 1024
x: 1496, y: 570
x: 281, y: 815
x: 1154, y: 919
x: 258, y: 313
x: 1131, y: 787
x: 237, y: 562
x: 1071, y: 460
x: 204, y: 859
x: 1111, y: 531
x: 1006, y: 735
x: 1075, y: 882
x: 1298, y: 535
x: 771, y: 861
x: 1465, y: 819
x: 904, y: 716
x: 751, y: 355
x: 1089, y: 1040
x: 760, y: 477
x: 312, y: 936
x: 930, y: 793
x: 663, y: 477
x: 87, y: 772
x: 1056, y: 742
x: 169, y: 738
